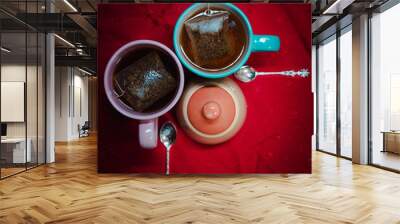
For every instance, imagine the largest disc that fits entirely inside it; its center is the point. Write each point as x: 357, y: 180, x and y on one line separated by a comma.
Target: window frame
x: 336, y: 35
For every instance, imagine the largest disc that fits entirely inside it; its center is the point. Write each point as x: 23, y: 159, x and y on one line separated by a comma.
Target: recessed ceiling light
x: 64, y: 40
x: 338, y: 6
x: 5, y: 50
x: 84, y: 71
x: 79, y: 51
x: 70, y: 5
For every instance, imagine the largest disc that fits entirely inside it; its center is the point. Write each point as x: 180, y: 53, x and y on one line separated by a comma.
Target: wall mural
x: 205, y: 88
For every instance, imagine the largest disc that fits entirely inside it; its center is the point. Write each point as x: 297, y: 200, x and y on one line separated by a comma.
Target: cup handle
x: 148, y: 131
x: 265, y: 43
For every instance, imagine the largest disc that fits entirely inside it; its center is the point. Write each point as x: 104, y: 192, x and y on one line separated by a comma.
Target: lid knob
x: 211, y: 110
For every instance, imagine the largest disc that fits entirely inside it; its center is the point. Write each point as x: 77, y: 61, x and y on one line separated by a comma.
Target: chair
x: 84, y: 130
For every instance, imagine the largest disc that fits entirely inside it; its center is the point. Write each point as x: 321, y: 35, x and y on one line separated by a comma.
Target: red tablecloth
x: 276, y: 137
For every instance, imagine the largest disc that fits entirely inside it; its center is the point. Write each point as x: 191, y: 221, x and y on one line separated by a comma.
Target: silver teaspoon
x: 167, y: 137
x: 248, y: 74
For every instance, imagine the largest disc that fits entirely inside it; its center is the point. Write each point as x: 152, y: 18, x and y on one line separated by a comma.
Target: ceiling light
x: 80, y: 51
x: 337, y: 7
x: 70, y: 5
x: 84, y: 71
x: 5, y: 50
x: 64, y: 40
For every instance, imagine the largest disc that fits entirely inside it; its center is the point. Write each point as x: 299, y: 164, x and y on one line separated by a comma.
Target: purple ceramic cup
x: 148, y: 127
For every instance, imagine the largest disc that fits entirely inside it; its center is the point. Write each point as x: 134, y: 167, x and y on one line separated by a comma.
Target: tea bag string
x: 208, y: 11
x: 120, y: 89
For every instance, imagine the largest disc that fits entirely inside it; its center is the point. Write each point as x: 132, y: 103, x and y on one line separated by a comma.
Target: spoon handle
x: 302, y: 73
x: 167, y: 161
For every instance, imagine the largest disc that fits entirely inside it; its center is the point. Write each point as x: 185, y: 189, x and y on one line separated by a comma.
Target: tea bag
x: 209, y: 36
x: 144, y: 82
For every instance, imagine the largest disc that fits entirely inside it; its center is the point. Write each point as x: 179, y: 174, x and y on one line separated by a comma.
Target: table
x: 13, y: 150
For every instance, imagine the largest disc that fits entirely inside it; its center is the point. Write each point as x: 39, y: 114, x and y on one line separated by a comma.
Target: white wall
x: 80, y: 84
x: 71, y: 94
x: 92, y: 91
x: 12, y: 73
x: 61, y: 103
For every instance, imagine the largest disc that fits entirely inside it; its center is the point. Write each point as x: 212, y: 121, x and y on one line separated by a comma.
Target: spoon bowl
x: 246, y: 74
x: 167, y: 138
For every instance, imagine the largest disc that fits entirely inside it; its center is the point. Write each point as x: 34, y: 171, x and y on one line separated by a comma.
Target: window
x: 327, y: 96
x: 346, y: 93
x: 334, y: 106
x: 385, y: 89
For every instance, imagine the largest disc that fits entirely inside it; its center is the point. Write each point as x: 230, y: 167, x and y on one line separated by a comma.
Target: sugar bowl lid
x: 212, y: 111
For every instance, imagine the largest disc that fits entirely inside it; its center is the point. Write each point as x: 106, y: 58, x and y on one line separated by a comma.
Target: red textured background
x: 276, y: 137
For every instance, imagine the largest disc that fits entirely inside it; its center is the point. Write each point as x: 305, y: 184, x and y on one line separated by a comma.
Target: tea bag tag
x: 208, y: 10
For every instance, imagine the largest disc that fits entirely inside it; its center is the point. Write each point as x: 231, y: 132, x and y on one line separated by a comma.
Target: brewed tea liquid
x: 213, y: 39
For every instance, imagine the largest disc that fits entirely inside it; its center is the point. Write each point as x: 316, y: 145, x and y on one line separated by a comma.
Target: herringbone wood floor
x: 71, y: 191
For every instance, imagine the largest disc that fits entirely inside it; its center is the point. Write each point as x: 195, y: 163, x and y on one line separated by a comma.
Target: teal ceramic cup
x: 254, y: 43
